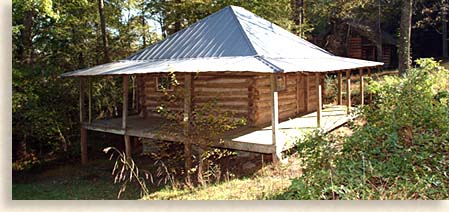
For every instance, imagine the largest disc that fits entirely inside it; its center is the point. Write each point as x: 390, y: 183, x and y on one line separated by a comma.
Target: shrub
x: 400, y: 153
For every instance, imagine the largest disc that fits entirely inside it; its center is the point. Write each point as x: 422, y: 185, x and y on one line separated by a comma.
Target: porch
x: 273, y: 139
x: 247, y: 138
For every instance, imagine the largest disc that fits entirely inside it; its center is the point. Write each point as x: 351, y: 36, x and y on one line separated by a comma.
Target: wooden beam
x: 83, y: 146
x: 297, y: 92
x: 187, y: 156
x: 125, y: 102
x: 320, y: 100
x: 128, y: 150
x: 339, y: 87
x: 187, y: 102
x: 306, y: 92
x: 348, y: 91
x: 362, y: 95
x: 274, y: 117
x: 125, y: 116
x: 370, y: 96
x: 89, y: 80
x: 187, y: 120
x: 83, y: 137
x: 323, y: 85
x: 81, y: 100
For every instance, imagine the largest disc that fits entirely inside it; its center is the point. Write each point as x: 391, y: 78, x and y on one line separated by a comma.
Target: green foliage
x: 400, y: 153
x: 39, y: 98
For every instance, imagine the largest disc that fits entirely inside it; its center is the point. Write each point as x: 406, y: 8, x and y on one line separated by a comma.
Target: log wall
x: 242, y: 96
x: 299, y: 97
x: 228, y: 93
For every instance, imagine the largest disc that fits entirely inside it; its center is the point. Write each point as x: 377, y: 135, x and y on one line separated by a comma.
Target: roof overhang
x: 254, y: 64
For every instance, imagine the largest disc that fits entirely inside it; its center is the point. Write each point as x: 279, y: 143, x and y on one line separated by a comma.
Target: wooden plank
x: 319, y: 102
x: 83, y: 146
x: 339, y: 87
x: 187, y: 102
x: 187, y: 121
x: 125, y: 102
x: 348, y: 91
x: 370, y: 96
x: 83, y: 137
x: 251, y: 101
x: 128, y: 150
x: 362, y: 95
x: 187, y: 156
x: 297, y: 92
x: 89, y: 80
x: 306, y: 92
x: 274, y: 117
x: 81, y: 99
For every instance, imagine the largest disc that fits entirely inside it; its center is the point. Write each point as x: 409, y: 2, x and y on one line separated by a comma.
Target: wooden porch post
x: 339, y: 93
x: 125, y: 116
x: 83, y: 142
x: 306, y: 92
x: 297, y: 92
x: 362, y: 90
x: 370, y: 96
x: 275, y: 118
x: 348, y: 92
x: 187, y: 120
x: 320, y: 100
x: 90, y: 98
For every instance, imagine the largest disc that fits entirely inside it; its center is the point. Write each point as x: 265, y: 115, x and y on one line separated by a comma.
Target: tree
x: 104, y: 36
x: 298, y: 15
x: 404, y: 37
x: 444, y: 9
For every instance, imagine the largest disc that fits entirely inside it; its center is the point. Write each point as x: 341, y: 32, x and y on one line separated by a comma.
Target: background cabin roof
x: 232, y: 39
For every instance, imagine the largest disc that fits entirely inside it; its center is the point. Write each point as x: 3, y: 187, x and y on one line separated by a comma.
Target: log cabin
x: 249, y: 66
x: 362, y: 47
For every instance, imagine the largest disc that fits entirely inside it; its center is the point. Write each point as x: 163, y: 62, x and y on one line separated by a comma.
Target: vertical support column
x: 370, y: 96
x: 83, y: 141
x: 362, y: 90
x: 348, y: 92
x: 90, y: 98
x: 297, y: 92
x: 339, y: 87
x: 275, y: 118
x: 125, y: 102
x: 125, y: 117
x: 319, y: 101
x: 187, y: 120
x: 306, y: 92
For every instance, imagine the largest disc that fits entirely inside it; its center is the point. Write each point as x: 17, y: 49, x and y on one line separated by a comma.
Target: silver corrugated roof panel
x: 232, y: 39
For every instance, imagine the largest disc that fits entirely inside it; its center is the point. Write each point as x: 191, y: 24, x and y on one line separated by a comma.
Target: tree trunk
x: 444, y: 7
x: 27, y: 38
x: 404, y: 37
x: 103, y: 31
x: 298, y: 14
x: 379, y: 36
x: 144, y: 34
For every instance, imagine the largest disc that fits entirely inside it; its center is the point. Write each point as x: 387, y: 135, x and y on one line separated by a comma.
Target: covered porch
x: 272, y: 139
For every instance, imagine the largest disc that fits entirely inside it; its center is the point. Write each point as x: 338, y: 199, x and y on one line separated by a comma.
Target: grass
x: 265, y: 184
x: 70, y: 181
x: 269, y: 182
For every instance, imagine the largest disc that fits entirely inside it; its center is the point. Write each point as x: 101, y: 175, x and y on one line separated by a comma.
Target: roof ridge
x: 239, y: 25
x: 180, y: 31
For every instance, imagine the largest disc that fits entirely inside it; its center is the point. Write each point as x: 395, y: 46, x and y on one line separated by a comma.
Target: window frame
x: 160, y: 88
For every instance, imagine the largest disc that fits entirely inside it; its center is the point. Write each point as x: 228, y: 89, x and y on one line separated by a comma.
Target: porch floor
x: 246, y: 138
x: 291, y: 130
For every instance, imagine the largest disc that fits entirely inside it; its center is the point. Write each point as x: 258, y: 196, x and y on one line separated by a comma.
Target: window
x: 163, y: 83
x: 281, y: 83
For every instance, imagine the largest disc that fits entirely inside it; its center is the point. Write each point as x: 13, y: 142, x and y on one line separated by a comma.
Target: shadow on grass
x: 65, y: 178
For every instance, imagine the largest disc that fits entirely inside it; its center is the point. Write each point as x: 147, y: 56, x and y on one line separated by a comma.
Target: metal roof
x: 232, y: 39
